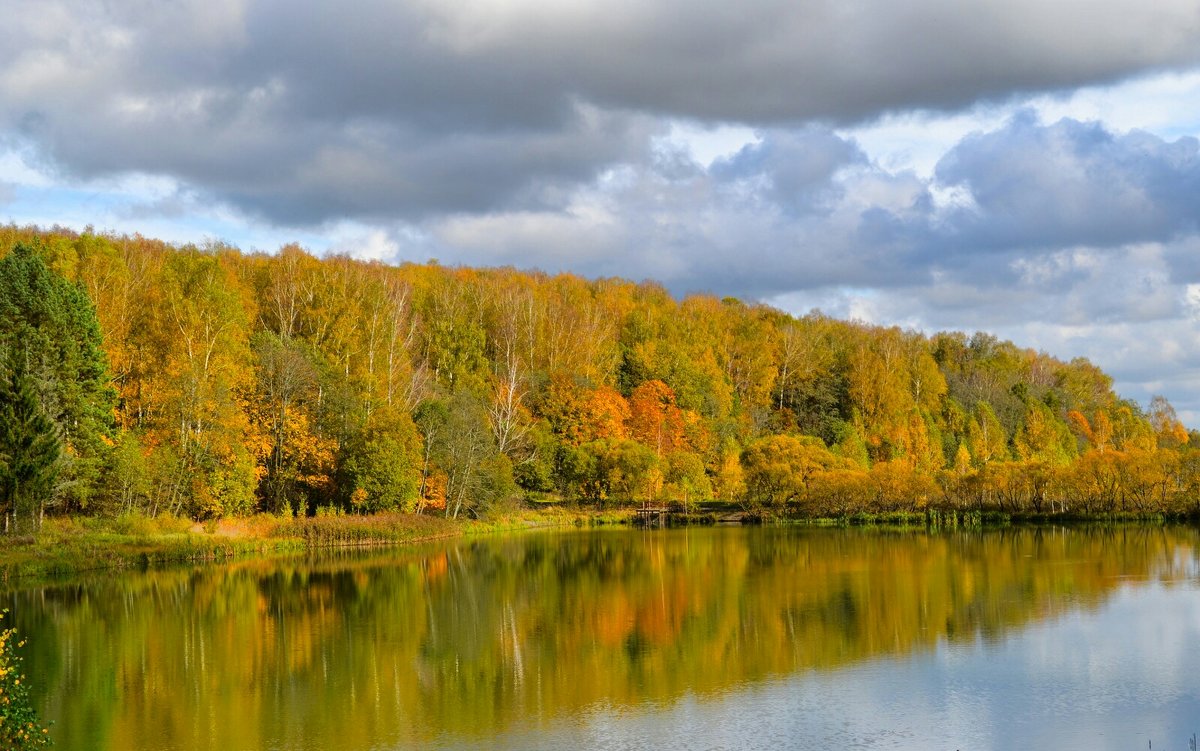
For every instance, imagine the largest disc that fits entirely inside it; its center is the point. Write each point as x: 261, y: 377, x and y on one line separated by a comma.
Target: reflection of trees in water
x: 396, y: 646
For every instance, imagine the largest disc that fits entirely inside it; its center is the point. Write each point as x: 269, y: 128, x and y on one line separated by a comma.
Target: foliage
x: 49, y: 329
x: 19, y: 725
x: 685, y: 480
x: 460, y: 445
x: 778, y: 468
x: 380, y: 466
x: 29, y: 451
x: 286, y: 383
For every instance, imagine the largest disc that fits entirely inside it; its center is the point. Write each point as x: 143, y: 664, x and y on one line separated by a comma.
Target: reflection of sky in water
x: 1114, y: 678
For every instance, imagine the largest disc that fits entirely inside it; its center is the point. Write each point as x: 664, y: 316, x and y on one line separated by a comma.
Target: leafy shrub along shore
x: 20, y: 729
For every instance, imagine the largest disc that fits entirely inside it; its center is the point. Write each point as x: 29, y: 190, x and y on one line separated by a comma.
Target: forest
x: 206, y: 382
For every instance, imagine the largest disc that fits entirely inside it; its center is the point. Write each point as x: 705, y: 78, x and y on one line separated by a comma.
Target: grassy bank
x: 72, y: 544
x: 949, y: 520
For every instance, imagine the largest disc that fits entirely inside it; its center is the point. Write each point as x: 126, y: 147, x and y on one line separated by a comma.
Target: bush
x: 19, y: 725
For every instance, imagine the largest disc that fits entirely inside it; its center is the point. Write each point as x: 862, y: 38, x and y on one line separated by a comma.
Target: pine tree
x: 50, y: 326
x: 29, y: 450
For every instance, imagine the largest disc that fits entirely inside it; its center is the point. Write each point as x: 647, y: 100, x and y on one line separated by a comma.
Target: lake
x: 722, y: 638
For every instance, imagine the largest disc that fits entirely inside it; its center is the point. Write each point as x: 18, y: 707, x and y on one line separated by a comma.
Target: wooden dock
x: 650, y: 516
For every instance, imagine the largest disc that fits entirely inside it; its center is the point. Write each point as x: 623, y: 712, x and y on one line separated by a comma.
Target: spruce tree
x: 29, y: 451
x: 49, y: 327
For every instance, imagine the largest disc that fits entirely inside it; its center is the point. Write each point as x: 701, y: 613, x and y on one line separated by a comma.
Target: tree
x: 654, y: 419
x: 850, y: 443
x: 381, y: 465
x: 685, y: 480
x: 272, y: 381
x: 562, y: 402
x: 879, y: 388
x: 605, y: 414
x: 130, y: 479
x: 1168, y: 430
x: 205, y: 374
x: 986, y: 440
x: 580, y: 415
x: 459, y: 442
x: 728, y: 480
x: 48, y: 328
x: 1043, y: 437
x: 778, y: 468
x: 631, y: 469
x: 29, y: 451
x: 962, y: 460
x: 1102, y: 430
x: 286, y: 380
x: 619, y: 469
x: 107, y: 276
x: 454, y: 338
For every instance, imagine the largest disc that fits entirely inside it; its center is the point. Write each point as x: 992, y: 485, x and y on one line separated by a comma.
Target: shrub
x: 19, y: 725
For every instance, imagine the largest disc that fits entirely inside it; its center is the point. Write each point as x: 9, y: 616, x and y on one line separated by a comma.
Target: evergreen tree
x: 50, y: 326
x: 29, y: 451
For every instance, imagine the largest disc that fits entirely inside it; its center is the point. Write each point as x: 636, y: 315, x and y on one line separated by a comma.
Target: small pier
x: 651, y: 516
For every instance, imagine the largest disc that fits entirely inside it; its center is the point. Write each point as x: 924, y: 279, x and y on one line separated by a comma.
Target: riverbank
x: 69, y: 545
x: 930, y: 519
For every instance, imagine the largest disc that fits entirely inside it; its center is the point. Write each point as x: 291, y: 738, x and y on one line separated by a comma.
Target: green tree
x: 630, y: 469
x: 29, y: 451
x: 618, y: 469
x: 130, y: 477
x: 986, y: 439
x: 51, y: 325
x: 381, y: 465
x: 685, y: 479
x: 460, y: 443
x: 1043, y: 437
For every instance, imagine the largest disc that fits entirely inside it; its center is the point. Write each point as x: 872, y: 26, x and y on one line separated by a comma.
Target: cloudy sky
x: 1025, y: 167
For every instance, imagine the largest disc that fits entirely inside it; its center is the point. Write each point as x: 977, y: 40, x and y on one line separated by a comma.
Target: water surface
x: 696, y: 638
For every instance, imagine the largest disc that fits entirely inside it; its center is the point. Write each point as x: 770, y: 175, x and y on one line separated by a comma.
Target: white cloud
x: 706, y: 144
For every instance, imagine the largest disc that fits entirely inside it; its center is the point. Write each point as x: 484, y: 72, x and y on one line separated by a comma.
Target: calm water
x: 680, y: 639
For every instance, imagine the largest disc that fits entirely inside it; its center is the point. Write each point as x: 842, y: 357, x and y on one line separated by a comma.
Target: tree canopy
x: 206, y: 381
x: 51, y: 344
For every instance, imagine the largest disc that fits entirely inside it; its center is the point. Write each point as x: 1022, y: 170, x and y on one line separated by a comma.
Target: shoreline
x: 75, y: 545
x: 72, y: 545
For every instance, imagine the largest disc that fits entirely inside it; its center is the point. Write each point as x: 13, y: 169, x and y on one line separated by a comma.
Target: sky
x: 1028, y: 168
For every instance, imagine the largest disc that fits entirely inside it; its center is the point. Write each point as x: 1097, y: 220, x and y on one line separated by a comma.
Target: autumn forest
x: 208, y: 382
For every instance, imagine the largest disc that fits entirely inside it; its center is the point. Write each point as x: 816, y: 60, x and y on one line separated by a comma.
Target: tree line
x: 205, y: 381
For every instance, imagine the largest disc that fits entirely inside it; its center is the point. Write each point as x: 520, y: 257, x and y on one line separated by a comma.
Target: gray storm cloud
x: 537, y: 133
x: 305, y: 112
x: 806, y: 209
x: 1073, y: 183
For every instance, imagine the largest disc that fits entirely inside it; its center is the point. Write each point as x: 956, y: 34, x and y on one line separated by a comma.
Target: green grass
x: 67, y: 545
x: 71, y: 544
